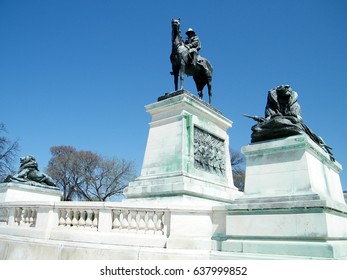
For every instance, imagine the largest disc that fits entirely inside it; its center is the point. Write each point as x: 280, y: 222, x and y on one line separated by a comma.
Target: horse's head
x: 175, y: 23
x: 176, y: 32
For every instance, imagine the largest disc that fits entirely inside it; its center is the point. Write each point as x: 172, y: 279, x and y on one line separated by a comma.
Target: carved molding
x: 209, y: 152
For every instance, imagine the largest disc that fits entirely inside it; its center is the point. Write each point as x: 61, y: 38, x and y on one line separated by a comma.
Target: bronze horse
x: 181, y: 63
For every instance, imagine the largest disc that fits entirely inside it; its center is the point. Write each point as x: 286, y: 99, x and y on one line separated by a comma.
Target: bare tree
x: 8, y: 152
x: 237, y: 162
x: 84, y: 175
x: 107, y: 179
x: 63, y: 168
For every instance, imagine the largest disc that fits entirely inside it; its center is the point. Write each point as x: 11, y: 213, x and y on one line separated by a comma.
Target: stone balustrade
x: 139, y: 221
x: 110, y: 226
x: 20, y: 215
x: 78, y: 218
x: 92, y: 216
x: 147, y: 230
x: 25, y: 216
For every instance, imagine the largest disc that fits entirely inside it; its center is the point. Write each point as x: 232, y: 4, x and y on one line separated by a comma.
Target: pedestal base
x: 293, y: 202
x: 302, y: 226
x: 187, y: 154
x: 289, y: 167
x: 179, y: 189
x: 10, y: 192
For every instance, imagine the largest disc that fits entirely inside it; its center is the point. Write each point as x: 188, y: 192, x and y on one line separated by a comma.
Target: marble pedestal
x: 187, y: 154
x: 293, y: 202
x: 11, y: 192
x: 293, y: 166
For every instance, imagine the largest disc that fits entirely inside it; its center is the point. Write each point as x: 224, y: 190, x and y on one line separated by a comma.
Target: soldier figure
x: 283, y: 118
x: 193, y: 44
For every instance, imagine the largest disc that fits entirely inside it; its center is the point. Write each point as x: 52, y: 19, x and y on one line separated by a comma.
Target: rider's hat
x: 190, y: 31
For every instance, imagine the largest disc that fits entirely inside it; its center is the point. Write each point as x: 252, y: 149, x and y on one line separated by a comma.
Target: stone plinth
x: 28, y: 192
x: 293, y: 202
x: 187, y: 153
x: 293, y: 166
x: 297, y: 226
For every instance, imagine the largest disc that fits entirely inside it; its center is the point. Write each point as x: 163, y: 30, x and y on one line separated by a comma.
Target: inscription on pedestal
x: 209, y: 152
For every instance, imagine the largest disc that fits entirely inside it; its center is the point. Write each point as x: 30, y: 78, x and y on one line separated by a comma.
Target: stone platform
x: 184, y: 205
x: 292, y: 166
x: 293, y: 202
x: 29, y: 191
x: 187, y: 154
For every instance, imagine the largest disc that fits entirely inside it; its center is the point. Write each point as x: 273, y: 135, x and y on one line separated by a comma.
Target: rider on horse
x: 193, y: 44
x: 185, y: 60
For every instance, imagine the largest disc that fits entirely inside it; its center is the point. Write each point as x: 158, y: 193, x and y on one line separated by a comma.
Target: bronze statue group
x: 282, y: 113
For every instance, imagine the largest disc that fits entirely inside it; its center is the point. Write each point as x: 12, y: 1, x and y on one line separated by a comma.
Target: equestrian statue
x: 185, y: 59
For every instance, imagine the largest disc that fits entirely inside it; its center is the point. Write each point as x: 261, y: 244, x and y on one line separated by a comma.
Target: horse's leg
x: 200, y: 94
x: 176, y: 80
x: 198, y: 85
x: 209, y: 86
x: 182, y: 71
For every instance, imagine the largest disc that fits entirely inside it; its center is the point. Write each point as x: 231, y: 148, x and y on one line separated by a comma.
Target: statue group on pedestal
x: 185, y: 59
x: 282, y: 113
x: 29, y: 172
x: 283, y: 118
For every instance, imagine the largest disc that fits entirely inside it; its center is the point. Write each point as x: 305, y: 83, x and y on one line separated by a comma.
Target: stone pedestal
x: 11, y: 192
x: 187, y: 153
x: 293, y: 166
x: 293, y: 202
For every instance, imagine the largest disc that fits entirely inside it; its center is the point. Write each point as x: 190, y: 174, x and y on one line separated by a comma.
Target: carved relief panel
x: 209, y: 152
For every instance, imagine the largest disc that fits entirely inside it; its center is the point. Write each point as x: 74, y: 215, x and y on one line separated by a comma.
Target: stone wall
x: 128, y: 231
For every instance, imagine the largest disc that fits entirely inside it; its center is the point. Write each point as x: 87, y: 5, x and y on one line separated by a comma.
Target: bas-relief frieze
x: 209, y: 152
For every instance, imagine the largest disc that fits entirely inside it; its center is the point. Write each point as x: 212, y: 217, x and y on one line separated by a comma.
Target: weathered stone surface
x: 28, y: 191
x: 291, y: 166
x: 187, y: 153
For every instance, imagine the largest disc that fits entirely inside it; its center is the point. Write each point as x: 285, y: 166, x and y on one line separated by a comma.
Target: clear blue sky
x: 80, y: 72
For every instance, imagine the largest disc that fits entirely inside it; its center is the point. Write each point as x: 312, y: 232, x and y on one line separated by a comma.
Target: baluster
x: 116, y: 224
x: 142, y: 223
x: 25, y: 218
x: 89, y: 219
x: 35, y: 216
x: 3, y: 215
x: 62, y: 217
x: 150, y: 223
x: 95, y: 219
x: 32, y: 218
x: 125, y: 223
x: 133, y: 223
x: 18, y: 216
x: 21, y: 214
x: 81, y: 220
x: 29, y: 217
x: 69, y: 217
x: 75, y: 217
x: 159, y: 226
